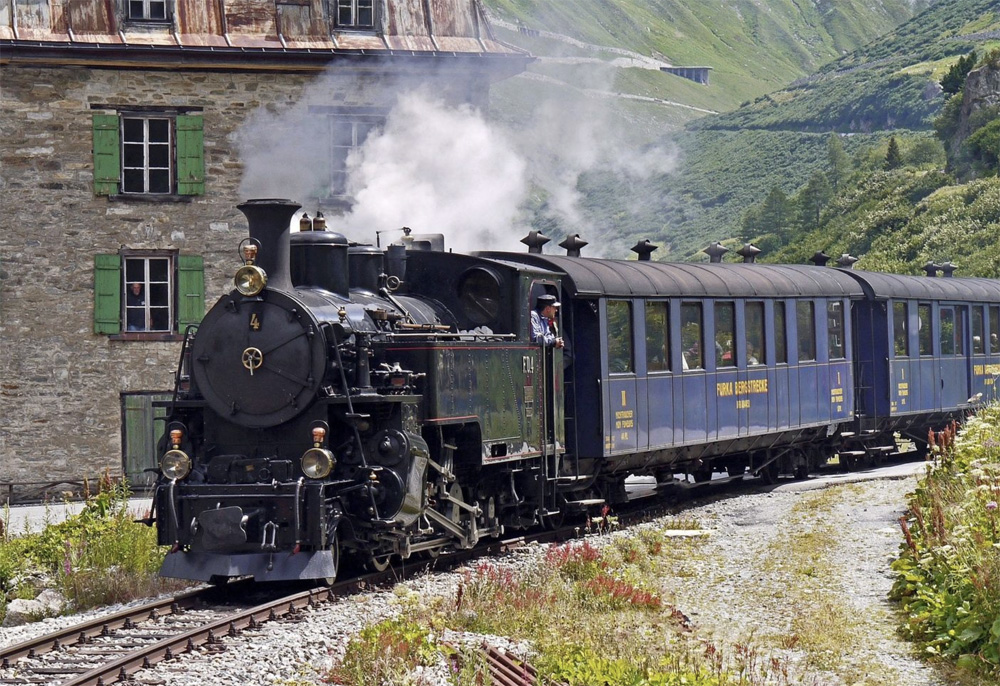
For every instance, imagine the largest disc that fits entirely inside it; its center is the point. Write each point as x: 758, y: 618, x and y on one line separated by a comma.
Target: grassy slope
x: 730, y: 161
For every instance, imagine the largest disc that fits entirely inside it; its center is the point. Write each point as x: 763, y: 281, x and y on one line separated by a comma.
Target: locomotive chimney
x: 715, y: 251
x: 573, y: 244
x: 749, y: 253
x: 644, y: 249
x: 269, y: 221
x: 535, y: 240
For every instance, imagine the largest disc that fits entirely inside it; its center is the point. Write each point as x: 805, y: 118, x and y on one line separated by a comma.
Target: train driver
x: 545, y: 310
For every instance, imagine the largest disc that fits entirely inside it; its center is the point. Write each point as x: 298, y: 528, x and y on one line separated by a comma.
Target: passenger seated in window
x: 752, y: 355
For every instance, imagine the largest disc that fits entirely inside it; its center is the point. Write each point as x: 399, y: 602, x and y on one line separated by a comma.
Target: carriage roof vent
x: 715, y: 251
x: 535, y: 240
x: 819, y: 258
x: 644, y: 249
x: 573, y: 244
x: 749, y: 253
x: 931, y: 269
x: 846, y: 261
x: 948, y: 269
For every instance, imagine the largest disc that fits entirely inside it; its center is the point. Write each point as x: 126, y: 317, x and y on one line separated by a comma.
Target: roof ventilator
x: 931, y: 269
x: 948, y: 269
x: 715, y: 252
x: 819, y: 258
x: 573, y: 244
x: 535, y: 240
x: 846, y: 261
x: 749, y: 253
x: 644, y: 249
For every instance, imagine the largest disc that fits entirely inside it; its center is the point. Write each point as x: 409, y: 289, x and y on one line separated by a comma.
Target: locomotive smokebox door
x: 259, y: 361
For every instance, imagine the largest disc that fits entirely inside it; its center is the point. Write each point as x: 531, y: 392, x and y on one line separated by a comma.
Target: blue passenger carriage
x: 694, y: 367
x: 928, y: 350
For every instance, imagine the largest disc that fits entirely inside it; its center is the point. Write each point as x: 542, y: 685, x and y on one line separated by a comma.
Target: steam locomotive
x: 345, y: 402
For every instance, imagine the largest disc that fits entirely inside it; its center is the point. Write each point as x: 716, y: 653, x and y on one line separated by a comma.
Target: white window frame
x: 349, y: 13
x: 147, y: 10
x: 361, y: 127
x: 152, y: 287
x: 146, y: 145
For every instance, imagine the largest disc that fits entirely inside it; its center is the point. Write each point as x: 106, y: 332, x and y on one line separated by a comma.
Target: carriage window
x: 725, y: 333
x: 755, y: 333
x: 835, y: 328
x: 900, y: 338
x: 805, y: 316
x: 977, y: 331
x: 924, y: 329
x: 691, y: 336
x: 994, y: 329
x: 947, y: 331
x: 780, y: 335
x: 657, y: 337
x: 620, y: 337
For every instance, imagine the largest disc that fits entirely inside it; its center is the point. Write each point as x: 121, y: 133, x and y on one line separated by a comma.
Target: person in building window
x: 135, y: 308
x: 541, y: 318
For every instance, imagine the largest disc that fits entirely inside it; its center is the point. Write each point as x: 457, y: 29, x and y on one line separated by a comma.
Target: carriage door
x: 954, y: 361
x: 620, y: 398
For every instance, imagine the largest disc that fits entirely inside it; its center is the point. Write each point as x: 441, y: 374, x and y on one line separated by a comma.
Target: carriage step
x: 884, y: 448
x: 847, y: 434
x: 852, y: 453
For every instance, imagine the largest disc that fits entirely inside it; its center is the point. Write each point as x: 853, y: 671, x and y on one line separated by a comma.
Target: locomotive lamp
x: 318, y: 462
x: 175, y: 463
x: 250, y: 279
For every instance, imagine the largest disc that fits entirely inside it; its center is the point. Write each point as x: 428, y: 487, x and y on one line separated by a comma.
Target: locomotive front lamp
x: 250, y: 279
x: 175, y: 464
x: 317, y: 463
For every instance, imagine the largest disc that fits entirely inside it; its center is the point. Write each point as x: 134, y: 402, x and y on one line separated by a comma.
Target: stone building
x: 122, y: 136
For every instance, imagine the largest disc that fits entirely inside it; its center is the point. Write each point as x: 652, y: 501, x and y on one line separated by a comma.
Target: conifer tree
x: 893, y: 158
x: 840, y: 163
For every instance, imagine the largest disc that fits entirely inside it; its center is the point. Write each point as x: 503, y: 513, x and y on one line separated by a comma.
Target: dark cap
x: 546, y: 300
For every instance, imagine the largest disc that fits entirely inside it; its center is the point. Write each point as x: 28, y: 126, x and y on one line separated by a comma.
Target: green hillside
x: 785, y: 64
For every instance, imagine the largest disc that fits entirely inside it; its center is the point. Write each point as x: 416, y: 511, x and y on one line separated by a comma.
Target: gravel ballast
x: 798, y: 574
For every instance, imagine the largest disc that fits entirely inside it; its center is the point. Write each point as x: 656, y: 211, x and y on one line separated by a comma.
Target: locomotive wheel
x: 378, y: 563
x: 769, y: 474
x: 702, y: 475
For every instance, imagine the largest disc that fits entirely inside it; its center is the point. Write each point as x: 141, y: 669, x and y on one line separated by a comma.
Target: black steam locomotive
x: 345, y: 400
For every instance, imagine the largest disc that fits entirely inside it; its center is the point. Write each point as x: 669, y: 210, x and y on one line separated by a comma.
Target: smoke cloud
x: 441, y: 168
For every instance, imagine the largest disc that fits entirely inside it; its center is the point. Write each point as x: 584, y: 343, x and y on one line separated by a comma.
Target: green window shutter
x: 190, y: 290
x: 190, y: 155
x: 107, y: 154
x: 107, y: 294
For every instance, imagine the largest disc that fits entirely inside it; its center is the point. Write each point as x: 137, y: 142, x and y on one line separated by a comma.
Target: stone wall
x: 60, y: 383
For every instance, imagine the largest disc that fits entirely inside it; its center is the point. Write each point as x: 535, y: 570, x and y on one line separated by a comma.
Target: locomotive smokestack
x: 269, y: 221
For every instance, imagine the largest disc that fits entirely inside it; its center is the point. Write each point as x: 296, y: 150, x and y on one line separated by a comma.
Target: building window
x: 151, y: 154
x: 146, y: 155
x: 147, y: 10
x: 346, y: 134
x: 147, y: 294
x: 357, y: 14
x: 147, y: 301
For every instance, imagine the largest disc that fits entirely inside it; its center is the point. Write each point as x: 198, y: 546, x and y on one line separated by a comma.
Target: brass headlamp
x: 175, y: 463
x: 318, y: 462
x: 250, y: 279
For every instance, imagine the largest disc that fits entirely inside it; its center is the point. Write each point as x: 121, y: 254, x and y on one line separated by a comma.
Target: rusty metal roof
x: 215, y: 29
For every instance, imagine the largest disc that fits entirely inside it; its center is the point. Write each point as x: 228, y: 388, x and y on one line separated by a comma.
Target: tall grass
x: 96, y: 557
x: 948, y: 582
